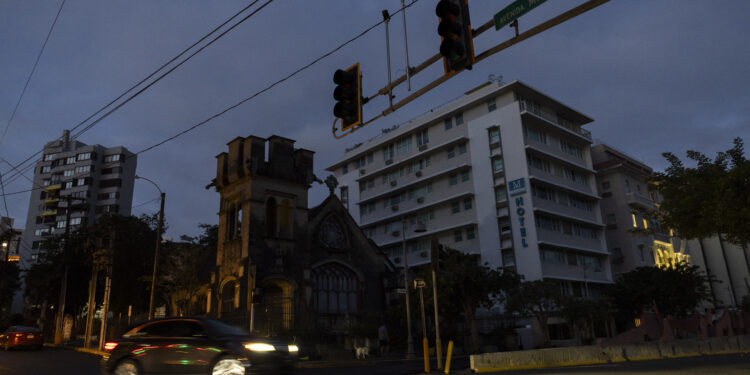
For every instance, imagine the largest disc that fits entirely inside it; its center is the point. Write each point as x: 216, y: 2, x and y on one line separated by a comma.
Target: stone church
x: 284, y: 268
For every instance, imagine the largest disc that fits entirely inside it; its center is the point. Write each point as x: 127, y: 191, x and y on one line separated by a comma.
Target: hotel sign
x: 516, y: 187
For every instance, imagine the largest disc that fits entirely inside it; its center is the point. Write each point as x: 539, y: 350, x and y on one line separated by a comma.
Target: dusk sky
x: 655, y: 75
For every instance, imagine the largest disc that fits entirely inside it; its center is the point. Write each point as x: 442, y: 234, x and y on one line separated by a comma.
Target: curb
x: 82, y: 350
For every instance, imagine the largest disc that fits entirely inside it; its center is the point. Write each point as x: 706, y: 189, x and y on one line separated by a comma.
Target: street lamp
x: 158, y: 242
x: 409, y: 340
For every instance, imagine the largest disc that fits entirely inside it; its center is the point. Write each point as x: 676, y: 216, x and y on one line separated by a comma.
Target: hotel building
x: 505, y: 172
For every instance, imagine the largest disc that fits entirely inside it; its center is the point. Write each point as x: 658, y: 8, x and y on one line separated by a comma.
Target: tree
x: 672, y: 290
x: 708, y: 199
x: 538, y: 298
x: 187, y: 266
x: 462, y: 278
x: 11, y: 282
x: 584, y: 312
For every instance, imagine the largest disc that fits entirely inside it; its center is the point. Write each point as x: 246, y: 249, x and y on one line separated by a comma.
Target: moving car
x: 21, y: 336
x: 195, y: 346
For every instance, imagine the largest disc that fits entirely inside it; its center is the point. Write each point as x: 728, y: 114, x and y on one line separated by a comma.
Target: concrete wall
x: 584, y: 355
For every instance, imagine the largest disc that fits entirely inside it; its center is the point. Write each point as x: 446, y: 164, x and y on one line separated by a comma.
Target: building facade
x: 76, y: 181
x: 633, y: 238
x: 282, y: 266
x: 504, y: 171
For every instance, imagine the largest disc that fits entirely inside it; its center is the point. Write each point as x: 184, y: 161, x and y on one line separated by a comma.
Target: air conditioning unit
x: 362, y: 171
x: 423, y: 254
x: 389, y: 161
x: 419, y: 173
x: 393, y: 183
x: 396, y: 233
x: 420, y: 200
x: 394, y: 208
x: 422, y: 147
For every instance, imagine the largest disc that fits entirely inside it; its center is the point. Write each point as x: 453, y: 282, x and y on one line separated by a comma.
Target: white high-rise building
x: 504, y: 171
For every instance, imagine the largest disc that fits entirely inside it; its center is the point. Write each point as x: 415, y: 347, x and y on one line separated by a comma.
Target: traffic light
x: 348, y: 94
x: 457, y: 46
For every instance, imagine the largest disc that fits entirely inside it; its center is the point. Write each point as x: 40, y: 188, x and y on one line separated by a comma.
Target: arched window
x: 337, y: 289
x: 227, y: 297
x: 285, y: 219
x: 271, y: 217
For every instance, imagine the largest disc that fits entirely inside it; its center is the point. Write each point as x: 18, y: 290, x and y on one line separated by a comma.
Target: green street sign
x: 513, y: 11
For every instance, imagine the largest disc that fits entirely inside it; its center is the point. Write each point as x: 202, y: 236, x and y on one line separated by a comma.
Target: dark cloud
x: 655, y: 75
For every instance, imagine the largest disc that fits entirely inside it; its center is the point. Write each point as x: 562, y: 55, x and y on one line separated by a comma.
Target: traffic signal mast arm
x: 552, y: 22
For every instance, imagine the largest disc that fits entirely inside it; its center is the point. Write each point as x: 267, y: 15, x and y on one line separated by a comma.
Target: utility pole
x: 107, y: 289
x: 158, y: 243
x: 435, y: 258
x: 92, y: 304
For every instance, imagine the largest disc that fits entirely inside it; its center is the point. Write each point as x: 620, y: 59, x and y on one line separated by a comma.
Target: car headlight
x: 259, y: 347
x: 293, y: 348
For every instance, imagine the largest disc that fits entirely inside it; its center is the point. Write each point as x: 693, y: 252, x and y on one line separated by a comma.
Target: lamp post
x: 158, y: 242
x: 409, y: 340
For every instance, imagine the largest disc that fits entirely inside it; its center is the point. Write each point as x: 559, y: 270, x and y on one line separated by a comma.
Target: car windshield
x: 27, y: 329
x: 223, y: 329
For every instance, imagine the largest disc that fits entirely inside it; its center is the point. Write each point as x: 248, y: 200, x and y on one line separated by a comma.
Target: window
x: 388, y: 152
x: 45, y: 182
x: 451, y: 152
x: 84, y: 169
x: 491, y: 105
x: 84, y: 156
x: 467, y: 204
x: 543, y: 192
x: 635, y: 223
x: 645, y: 223
x: 344, y: 168
x: 573, y: 175
x: 553, y: 256
x: 344, y: 194
x: 360, y: 163
x: 85, y: 194
x: 494, y: 134
x: 581, y: 204
x: 110, y: 183
x: 61, y: 224
x: 70, y: 160
x: 362, y: 186
x: 459, y: 118
x: 49, y: 157
x: 627, y: 185
x: 497, y: 165
x: 68, y: 172
x: 571, y: 149
x: 35, y: 245
x: 83, y: 181
x: 640, y: 253
x: 68, y: 185
x: 470, y: 235
x: 548, y: 223
x: 404, y: 145
x: 465, y: 176
x: 370, y: 158
x: 539, y: 163
x: 104, y: 196
x: 453, y: 179
x: 509, y: 258
x: 605, y: 185
x: 111, y: 158
x: 448, y: 123
x: 462, y: 148
x: 534, y: 134
x: 500, y: 195
x: 617, y: 252
x: 422, y: 138
x: 336, y: 289
x: 638, y: 188
x: 455, y: 207
x: 75, y: 221
x: 46, y: 169
x: 458, y: 235
x: 112, y: 208
x: 112, y: 170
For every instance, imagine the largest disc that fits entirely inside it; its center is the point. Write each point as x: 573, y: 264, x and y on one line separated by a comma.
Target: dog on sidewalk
x: 362, y: 352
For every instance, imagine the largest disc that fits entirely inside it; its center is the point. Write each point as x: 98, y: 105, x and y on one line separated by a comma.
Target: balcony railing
x: 552, y: 117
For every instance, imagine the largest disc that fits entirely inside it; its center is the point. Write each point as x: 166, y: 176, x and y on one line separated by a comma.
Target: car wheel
x: 228, y: 366
x: 127, y: 367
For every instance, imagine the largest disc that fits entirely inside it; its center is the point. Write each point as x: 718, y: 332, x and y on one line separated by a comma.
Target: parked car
x: 195, y: 346
x: 21, y: 336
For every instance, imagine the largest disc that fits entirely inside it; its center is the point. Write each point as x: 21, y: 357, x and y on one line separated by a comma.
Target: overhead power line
x: 151, y: 75
x: 33, y: 69
x: 243, y: 101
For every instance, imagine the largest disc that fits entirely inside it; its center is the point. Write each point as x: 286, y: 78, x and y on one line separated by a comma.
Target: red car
x: 19, y: 336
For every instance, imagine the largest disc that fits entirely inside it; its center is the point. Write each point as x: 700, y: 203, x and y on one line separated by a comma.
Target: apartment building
x: 636, y: 240
x: 100, y: 180
x: 505, y: 171
x: 633, y: 239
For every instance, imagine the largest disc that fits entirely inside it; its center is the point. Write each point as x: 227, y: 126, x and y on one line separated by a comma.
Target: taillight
x: 109, y: 346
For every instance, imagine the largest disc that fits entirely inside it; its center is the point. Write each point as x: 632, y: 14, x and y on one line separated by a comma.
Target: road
x: 68, y: 362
